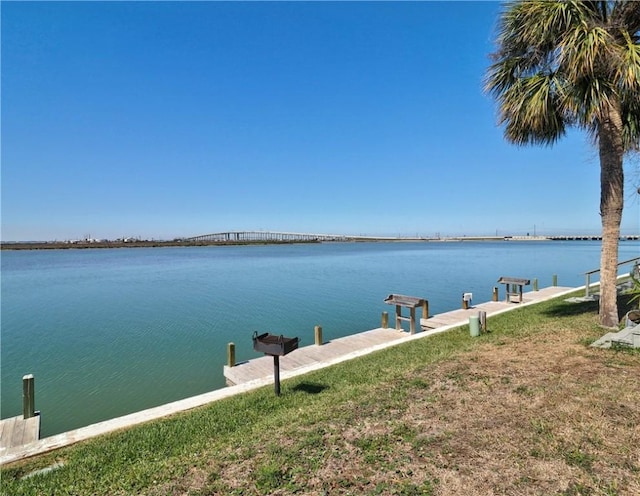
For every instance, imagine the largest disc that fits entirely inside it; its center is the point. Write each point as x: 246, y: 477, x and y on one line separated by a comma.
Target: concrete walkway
x: 442, y: 322
x: 628, y: 337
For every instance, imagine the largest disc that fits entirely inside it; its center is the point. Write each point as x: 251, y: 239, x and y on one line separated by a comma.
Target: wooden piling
x: 318, y: 335
x: 555, y: 280
x: 495, y: 294
x: 231, y: 355
x: 482, y: 316
x: 385, y: 320
x: 425, y: 309
x: 28, y: 396
x: 535, y: 284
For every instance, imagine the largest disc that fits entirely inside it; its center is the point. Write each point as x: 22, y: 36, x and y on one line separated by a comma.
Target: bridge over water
x: 271, y: 237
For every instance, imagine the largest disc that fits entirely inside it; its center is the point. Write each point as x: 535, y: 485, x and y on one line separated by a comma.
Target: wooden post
x: 412, y: 321
x: 28, y: 396
x: 555, y: 280
x: 398, y: 315
x: 425, y: 309
x: 535, y: 284
x: 495, y: 294
x: 482, y: 316
x: 231, y: 355
x: 318, y: 335
x: 520, y: 293
x: 276, y: 374
x: 385, y: 320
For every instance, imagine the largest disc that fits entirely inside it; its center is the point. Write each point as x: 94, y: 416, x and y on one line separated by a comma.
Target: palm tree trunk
x: 611, y: 204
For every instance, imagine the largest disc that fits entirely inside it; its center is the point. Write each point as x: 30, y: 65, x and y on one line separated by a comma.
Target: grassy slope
x: 527, y: 409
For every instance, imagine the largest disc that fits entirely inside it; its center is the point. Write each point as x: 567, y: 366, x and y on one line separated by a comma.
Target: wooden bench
x: 514, y: 287
x: 410, y: 302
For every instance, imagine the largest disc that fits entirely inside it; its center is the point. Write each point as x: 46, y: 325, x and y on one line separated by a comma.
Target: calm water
x: 109, y: 332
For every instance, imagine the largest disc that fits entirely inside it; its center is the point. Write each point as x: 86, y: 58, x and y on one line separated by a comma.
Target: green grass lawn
x: 527, y: 408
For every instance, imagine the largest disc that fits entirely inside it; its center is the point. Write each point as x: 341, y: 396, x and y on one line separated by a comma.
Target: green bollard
x: 474, y: 326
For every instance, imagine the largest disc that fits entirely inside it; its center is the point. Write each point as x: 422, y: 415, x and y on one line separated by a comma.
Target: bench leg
x: 398, y: 316
x: 520, y: 288
x: 412, y: 322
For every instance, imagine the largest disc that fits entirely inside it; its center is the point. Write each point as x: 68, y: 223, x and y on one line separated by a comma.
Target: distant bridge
x: 275, y: 237
x: 269, y: 236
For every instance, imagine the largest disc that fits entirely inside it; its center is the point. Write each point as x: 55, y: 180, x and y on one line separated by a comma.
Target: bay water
x: 108, y: 332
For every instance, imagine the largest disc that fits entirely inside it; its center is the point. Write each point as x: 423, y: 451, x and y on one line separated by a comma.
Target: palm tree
x: 574, y: 63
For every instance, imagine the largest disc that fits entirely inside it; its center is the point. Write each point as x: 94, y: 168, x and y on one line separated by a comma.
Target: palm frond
x: 627, y: 71
x: 583, y: 51
x: 532, y: 112
x: 631, y: 123
x: 625, y: 16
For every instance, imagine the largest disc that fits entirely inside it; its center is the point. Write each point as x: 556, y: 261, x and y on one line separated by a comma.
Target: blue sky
x: 167, y: 119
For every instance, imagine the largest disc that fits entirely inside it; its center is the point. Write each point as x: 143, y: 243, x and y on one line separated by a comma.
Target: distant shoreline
x: 83, y: 245
x: 58, y: 245
x: 86, y: 245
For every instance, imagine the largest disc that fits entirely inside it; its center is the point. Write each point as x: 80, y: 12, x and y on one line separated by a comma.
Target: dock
x: 24, y: 429
x: 313, y: 357
x: 18, y: 431
x: 307, y: 356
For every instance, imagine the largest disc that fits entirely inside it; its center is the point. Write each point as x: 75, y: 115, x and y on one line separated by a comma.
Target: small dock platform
x: 258, y: 368
x: 18, y: 431
x: 313, y: 357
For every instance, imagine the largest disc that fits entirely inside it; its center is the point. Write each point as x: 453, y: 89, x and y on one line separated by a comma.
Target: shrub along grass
x: 527, y: 408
